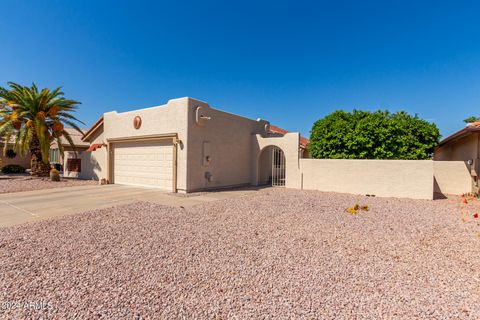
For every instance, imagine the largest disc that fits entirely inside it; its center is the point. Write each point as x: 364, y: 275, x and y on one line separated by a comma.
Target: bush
x: 54, y: 175
x: 13, y: 168
x: 373, y: 135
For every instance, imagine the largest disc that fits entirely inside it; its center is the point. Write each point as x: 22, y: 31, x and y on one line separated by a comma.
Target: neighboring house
x: 70, y: 163
x: 462, y: 146
x: 183, y: 146
x: 14, y: 158
x: 55, y: 157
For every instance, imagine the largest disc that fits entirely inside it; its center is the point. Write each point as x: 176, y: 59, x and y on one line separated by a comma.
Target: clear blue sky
x: 290, y: 62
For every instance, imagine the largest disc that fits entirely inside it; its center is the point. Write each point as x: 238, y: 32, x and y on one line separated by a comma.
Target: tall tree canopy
x: 373, y: 135
x: 471, y: 119
x: 33, y: 119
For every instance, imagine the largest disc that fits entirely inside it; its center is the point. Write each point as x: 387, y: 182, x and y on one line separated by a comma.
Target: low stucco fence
x: 452, y: 177
x: 416, y: 179
x: 384, y: 178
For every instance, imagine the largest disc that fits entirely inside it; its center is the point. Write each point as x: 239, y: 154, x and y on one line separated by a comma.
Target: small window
x: 54, y: 156
x: 74, y: 165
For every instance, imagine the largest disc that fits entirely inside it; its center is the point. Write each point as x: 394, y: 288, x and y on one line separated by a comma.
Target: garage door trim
x: 158, y: 137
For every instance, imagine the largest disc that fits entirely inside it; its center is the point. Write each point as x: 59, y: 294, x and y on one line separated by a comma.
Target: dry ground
x: 25, y: 183
x: 276, y: 254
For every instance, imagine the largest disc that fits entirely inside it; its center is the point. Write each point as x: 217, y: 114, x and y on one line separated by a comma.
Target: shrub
x: 354, y: 209
x: 54, y: 175
x: 13, y: 168
x: 373, y: 135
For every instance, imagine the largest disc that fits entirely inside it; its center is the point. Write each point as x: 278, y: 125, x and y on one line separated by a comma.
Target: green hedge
x: 13, y: 168
x: 373, y: 135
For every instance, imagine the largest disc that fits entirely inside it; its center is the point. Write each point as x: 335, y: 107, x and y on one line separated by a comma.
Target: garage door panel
x: 144, y: 163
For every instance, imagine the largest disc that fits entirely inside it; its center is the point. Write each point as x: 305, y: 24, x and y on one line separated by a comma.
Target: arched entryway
x: 272, y: 167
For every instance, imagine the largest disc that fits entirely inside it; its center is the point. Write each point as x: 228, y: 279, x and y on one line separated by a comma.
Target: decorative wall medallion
x: 137, y: 122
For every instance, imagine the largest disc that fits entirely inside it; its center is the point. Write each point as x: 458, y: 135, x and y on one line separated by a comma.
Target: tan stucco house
x: 55, y: 157
x: 462, y: 146
x: 69, y: 163
x: 184, y: 146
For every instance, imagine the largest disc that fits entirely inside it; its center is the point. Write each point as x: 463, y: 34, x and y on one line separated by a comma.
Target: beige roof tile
x: 76, y: 137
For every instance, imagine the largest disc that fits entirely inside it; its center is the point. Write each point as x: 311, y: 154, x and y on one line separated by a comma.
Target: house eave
x: 458, y: 135
x: 93, y: 129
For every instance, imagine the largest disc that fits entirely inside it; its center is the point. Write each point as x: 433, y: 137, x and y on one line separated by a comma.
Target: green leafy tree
x: 33, y: 119
x: 471, y: 119
x: 373, y: 135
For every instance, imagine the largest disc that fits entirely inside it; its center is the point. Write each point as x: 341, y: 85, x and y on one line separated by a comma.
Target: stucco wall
x: 229, y: 139
x: 452, y: 177
x: 96, y: 161
x: 385, y: 178
x: 85, y: 172
x: 21, y: 161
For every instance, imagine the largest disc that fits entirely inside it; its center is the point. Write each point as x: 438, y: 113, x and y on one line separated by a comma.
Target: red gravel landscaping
x: 274, y: 254
x: 27, y: 183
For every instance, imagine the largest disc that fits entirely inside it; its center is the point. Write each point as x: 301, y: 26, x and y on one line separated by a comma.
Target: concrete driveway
x: 21, y: 207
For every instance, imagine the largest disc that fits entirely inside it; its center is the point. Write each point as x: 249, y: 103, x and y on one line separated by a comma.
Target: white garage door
x: 148, y: 164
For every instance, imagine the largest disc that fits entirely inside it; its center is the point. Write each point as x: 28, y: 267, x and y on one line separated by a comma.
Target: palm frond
x: 70, y: 123
x: 27, y: 139
x: 6, y: 129
x: 61, y: 149
x: 6, y: 143
x: 18, y: 140
x: 69, y: 116
x: 70, y: 141
x: 34, y: 88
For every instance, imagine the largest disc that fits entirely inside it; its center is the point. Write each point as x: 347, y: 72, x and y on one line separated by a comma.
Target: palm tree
x: 33, y: 119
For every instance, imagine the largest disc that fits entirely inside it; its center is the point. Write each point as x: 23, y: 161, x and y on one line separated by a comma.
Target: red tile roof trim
x: 303, y: 141
x: 94, y: 147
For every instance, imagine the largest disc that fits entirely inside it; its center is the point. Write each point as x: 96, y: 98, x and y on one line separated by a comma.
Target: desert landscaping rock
x: 277, y: 254
x: 22, y: 183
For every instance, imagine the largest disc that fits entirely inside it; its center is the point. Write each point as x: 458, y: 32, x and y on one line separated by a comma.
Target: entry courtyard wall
x: 416, y: 179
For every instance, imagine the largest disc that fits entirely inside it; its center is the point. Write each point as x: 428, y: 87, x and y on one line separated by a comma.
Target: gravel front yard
x: 26, y: 183
x: 276, y: 254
